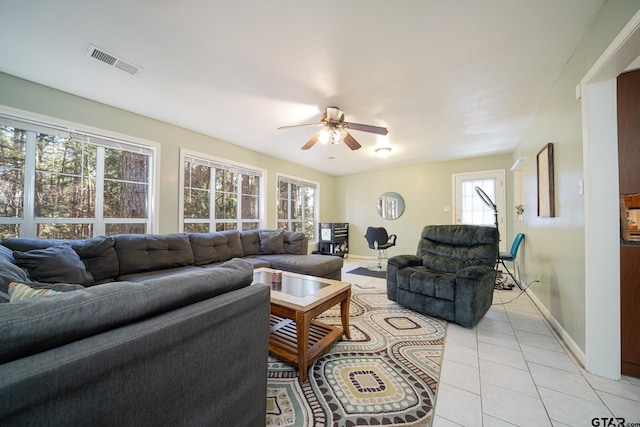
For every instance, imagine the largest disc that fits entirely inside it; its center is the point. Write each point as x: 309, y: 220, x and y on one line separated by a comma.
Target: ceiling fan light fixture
x: 383, y: 151
x: 324, y: 136
x: 338, y: 134
x: 336, y: 131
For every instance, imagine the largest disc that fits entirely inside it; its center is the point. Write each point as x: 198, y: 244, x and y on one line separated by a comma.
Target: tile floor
x: 511, y: 370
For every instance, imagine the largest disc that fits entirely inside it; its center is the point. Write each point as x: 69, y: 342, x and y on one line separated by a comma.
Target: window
x: 70, y: 185
x: 220, y: 196
x: 468, y: 205
x: 297, y: 205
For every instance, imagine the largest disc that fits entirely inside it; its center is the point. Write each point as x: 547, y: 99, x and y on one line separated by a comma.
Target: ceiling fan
x: 335, y: 129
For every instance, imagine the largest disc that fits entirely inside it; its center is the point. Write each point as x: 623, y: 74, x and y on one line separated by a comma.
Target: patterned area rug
x: 386, y: 374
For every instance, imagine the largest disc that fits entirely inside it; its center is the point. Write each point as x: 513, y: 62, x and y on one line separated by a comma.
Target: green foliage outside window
x: 297, y: 206
x: 220, y: 197
x: 64, y: 194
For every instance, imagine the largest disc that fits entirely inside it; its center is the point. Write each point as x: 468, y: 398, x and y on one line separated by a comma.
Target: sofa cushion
x: 19, y: 291
x: 256, y: 261
x: 271, y: 241
x: 250, y: 242
x: 24, y: 244
x: 421, y: 280
x: 149, y: 252
x: 449, y: 264
x: 9, y: 272
x: 56, y: 264
x: 295, y: 243
x: 313, y: 265
x: 97, y: 253
x: 215, y: 247
x: 6, y: 254
x: 155, y: 274
x: 35, y: 325
x: 451, y: 247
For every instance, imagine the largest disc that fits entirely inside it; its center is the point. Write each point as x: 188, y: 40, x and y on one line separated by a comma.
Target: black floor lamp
x: 500, y: 284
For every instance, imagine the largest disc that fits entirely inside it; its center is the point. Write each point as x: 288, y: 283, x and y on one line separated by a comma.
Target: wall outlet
x: 538, y: 278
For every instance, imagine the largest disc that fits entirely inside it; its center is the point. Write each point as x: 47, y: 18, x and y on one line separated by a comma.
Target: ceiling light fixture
x: 383, y: 151
x: 332, y: 134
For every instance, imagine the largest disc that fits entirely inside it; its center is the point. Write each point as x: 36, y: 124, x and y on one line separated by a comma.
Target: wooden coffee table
x: 295, y: 336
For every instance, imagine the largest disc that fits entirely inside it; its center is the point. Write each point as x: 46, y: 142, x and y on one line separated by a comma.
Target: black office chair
x: 510, y: 256
x: 380, y: 241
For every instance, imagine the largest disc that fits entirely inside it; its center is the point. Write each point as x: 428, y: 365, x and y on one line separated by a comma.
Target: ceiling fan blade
x: 311, y: 142
x: 301, y: 126
x: 351, y: 142
x: 367, y: 128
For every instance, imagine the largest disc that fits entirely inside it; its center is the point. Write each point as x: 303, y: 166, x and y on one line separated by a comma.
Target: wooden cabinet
x: 629, y: 182
x: 630, y: 309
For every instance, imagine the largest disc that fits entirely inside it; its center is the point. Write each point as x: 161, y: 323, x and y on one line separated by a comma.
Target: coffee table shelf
x: 295, y: 335
x: 283, y: 339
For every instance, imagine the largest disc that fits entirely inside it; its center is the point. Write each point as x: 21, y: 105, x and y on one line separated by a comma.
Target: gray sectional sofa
x: 144, y: 329
x: 136, y: 257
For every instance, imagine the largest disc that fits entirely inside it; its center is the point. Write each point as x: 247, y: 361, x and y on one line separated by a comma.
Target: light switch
x: 580, y: 188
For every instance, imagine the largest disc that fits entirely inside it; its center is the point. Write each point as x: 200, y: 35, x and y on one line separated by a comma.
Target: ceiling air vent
x: 112, y: 60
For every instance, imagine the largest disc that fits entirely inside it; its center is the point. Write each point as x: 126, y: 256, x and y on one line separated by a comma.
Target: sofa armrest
x: 403, y: 261
x: 204, y: 364
x: 395, y: 264
x: 474, y: 293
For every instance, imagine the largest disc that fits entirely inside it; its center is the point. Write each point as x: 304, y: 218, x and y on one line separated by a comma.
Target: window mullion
x: 99, y: 227
x: 239, y: 203
x: 29, y: 227
x: 212, y: 199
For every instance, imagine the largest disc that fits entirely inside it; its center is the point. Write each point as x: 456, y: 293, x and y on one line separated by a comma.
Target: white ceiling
x: 449, y: 78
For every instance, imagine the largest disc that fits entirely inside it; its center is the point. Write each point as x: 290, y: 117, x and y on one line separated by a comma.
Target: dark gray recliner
x: 452, y: 275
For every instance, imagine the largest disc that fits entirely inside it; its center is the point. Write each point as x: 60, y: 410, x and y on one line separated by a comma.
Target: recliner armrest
x: 474, y: 272
x: 402, y: 261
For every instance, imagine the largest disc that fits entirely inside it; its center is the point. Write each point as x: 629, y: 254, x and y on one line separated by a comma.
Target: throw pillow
x: 250, y: 241
x: 20, y: 291
x: 10, y: 272
x: 295, y: 243
x: 6, y: 253
x: 271, y: 242
x: 57, y: 264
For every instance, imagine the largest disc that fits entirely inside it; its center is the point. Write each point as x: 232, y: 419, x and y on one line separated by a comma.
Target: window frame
x: 316, y: 205
x: 230, y: 164
x: 34, y: 122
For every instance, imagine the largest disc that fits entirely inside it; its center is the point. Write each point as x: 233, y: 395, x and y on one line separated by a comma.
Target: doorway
x: 602, y: 216
x: 468, y: 206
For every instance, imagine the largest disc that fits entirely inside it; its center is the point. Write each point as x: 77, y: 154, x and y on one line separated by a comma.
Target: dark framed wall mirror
x: 390, y: 205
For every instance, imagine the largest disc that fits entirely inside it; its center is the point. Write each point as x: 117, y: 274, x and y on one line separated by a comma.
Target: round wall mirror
x: 390, y: 205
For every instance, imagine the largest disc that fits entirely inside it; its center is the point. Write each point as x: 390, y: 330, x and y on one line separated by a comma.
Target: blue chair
x: 510, y: 256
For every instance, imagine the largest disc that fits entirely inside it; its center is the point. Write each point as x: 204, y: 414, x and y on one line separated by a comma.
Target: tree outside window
x: 82, y: 185
x: 219, y: 196
x: 297, y: 203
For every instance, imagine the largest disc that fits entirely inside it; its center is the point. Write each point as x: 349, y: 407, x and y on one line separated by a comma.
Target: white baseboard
x: 362, y: 257
x: 557, y: 328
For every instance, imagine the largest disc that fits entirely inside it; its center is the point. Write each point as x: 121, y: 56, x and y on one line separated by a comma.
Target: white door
x: 468, y: 205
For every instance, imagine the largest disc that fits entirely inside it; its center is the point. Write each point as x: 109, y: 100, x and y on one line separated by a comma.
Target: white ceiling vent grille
x: 112, y: 60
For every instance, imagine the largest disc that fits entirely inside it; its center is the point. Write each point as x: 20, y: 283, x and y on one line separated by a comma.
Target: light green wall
x: 35, y: 98
x: 554, y: 248
x: 426, y: 189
